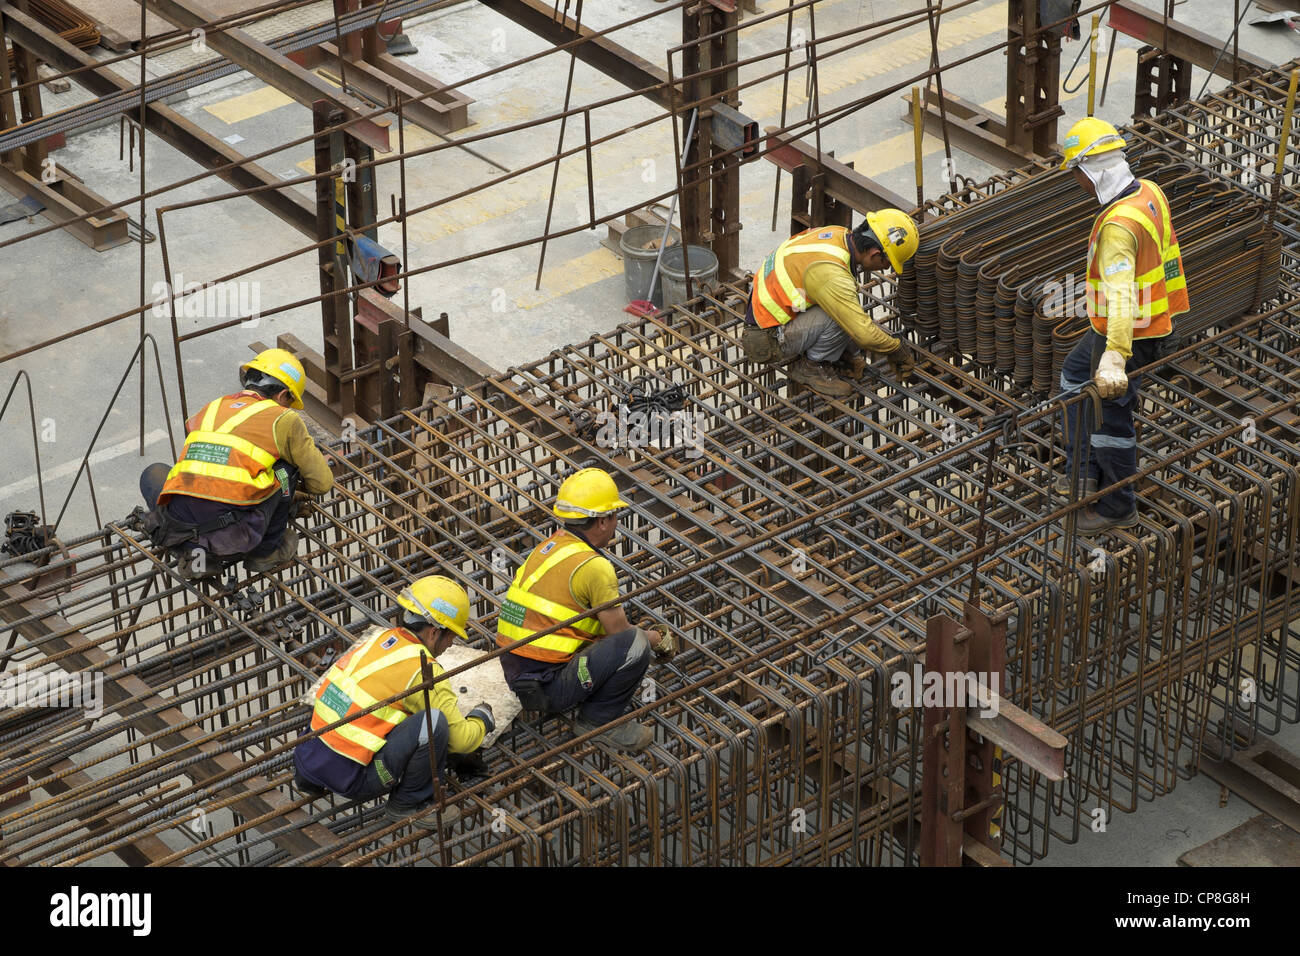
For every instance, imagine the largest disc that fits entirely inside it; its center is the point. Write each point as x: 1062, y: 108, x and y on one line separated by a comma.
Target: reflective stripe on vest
x: 540, y: 597
x: 778, y: 292
x: 343, y: 693
x: 1160, y: 284
x: 221, y: 463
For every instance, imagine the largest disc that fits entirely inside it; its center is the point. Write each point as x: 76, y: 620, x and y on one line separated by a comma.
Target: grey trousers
x: 817, y: 336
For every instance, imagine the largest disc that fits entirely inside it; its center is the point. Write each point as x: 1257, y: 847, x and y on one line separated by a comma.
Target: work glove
x: 902, y: 359
x: 1111, y: 379
x: 666, y: 647
x: 468, y: 766
x: 483, y: 711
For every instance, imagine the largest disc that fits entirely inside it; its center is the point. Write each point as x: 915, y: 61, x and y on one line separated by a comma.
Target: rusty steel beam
x: 842, y: 181
x: 612, y: 59
x: 163, y: 121
x: 1198, y: 48
x: 275, y: 68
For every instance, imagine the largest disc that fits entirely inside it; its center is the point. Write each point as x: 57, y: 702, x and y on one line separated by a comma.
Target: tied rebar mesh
x: 798, y: 546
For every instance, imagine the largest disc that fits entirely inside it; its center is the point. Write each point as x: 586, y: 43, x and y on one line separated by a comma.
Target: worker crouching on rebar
x: 229, y: 497
x: 597, y: 662
x: 1135, y: 288
x: 804, y: 307
x: 387, y: 750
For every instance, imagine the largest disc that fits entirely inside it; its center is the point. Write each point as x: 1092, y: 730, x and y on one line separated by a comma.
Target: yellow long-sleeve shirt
x: 464, y: 734
x: 832, y: 286
x: 299, y: 450
x: 1116, y: 253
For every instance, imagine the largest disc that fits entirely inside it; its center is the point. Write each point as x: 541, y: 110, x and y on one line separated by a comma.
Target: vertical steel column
x: 29, y: 99
x: 332, y: 257
x: 8, y: 115
x: 1033, y: 79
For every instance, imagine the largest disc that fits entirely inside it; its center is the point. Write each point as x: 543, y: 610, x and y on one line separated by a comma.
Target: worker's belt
x: 167, y: 532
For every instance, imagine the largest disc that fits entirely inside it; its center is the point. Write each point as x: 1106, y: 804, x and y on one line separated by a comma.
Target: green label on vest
x: 1171, y: 269
x: 282, y: 475
x: 208, y: 452
x: 512, y: 613
x: 336, y: 700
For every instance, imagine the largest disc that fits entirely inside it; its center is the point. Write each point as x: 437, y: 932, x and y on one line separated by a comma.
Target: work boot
x: 424, y: 816
x: 851, y: 366
x: 196, y: 564
x: 630, y: 737
x: 1094, y: 522
x: 821, y: 377
x: 1062, y: 486
x: 284, y: 554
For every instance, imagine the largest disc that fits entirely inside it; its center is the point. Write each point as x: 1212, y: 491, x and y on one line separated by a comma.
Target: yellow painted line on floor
x: 575, y: 274
x: 247, y: 105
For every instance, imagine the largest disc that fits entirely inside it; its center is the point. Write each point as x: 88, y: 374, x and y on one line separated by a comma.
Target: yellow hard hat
x: 589, y: 493
x: 439, y: 600
x: 284, y: 368
x: 1089, y: 137
x: 896, y: 233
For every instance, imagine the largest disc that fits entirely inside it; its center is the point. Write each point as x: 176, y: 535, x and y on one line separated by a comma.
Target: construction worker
x: 597, y: 662
x: 1135, y: 287
x: 387, y: 750
x: 229, y: 496
x: 804, y: 306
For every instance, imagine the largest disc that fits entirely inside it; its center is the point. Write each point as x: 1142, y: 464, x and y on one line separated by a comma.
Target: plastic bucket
x: 672, y: 273
x: 640, y: 248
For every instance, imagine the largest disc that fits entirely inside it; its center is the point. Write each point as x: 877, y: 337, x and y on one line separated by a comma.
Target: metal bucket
x: 672, y: 273
x: 639, y: 260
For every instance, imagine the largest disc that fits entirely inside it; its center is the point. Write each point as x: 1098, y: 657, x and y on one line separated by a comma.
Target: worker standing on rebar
x: 804, y: 306
x: 245, y: 455
x: 387, y: 750
x: 597, y: 662
x: 1135, y: 287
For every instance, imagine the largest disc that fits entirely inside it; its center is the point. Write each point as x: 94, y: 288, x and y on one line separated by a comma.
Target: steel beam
x: 842, y: 182
x: 162, y: 121
x: 275, y: 68
x: 610, y: 58
x: 1200, y: 49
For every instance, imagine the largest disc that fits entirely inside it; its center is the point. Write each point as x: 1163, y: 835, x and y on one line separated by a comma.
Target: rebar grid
x: 1137, y: 664
x: 799, y: 548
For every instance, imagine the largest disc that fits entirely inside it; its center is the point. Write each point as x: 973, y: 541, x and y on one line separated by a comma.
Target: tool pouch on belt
x: 166, y: 532
x: 762, y: 346
x: 531, y: 695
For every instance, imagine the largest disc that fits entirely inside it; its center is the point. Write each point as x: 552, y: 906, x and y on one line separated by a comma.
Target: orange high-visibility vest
x: 374, y: 670
x: 1161, y: 286
x: 540, y: 597
x: 778, y: 292
x: 229, y: 452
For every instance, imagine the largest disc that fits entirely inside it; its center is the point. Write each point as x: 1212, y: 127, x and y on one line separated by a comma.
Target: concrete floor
x: 52, y: 283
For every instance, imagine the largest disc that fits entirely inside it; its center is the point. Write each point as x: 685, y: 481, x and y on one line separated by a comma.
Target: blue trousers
x: 256, y: 536
x: 1112, y: 447
x: 600, y: 681
x: 401, y: 768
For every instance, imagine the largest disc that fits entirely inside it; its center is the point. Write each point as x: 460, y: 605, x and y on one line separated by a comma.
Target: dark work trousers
x: 241, y: 538
x: 1112, y: 447
x: 401, y: 767
x: 601, y: 679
